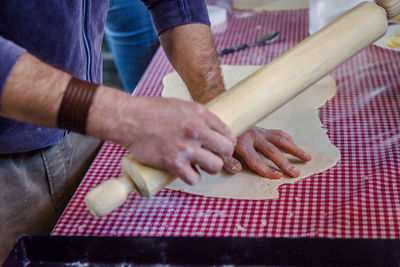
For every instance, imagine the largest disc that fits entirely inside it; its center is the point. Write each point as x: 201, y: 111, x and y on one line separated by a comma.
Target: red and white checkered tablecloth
x: 358, y: 198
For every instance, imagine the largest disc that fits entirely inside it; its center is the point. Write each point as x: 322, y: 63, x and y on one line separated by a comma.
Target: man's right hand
x: 165, y: 133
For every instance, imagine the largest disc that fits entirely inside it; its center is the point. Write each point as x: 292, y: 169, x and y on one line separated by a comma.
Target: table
x: 358, y: 198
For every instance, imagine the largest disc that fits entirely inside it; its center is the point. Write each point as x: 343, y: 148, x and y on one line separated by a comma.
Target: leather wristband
x: 75, y: 105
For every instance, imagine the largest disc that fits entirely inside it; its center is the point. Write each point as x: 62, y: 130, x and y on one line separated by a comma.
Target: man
x: 49, y: 75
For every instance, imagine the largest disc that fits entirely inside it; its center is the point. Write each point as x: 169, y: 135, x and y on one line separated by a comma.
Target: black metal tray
x: 181, y: 251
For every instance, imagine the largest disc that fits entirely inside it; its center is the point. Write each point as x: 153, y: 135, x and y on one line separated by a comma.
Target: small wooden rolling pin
x: 259, y: 95
x: 392, y: 7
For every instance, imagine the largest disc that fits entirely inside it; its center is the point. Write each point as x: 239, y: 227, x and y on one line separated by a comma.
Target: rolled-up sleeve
x: 9, y: 54
x: 167, y: 14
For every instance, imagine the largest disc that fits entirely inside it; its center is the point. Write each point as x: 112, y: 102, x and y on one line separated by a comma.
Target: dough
x: 270, y: 5
x: 299, y: 118
x: 391, y: 39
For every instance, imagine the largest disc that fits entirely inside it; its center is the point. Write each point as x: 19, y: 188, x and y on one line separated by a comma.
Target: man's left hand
x: 269, y: 143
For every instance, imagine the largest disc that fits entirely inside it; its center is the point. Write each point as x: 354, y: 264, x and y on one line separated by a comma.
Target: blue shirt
x: 68, y: 35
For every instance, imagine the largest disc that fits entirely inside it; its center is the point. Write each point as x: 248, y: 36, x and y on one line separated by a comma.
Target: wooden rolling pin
x: 259, y: 95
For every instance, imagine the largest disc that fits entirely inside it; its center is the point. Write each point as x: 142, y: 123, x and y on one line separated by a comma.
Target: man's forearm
x: 33, y: 92
x: 191, y: 50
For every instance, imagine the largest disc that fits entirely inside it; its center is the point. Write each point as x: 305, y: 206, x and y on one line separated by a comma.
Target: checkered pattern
x: 359, y: 198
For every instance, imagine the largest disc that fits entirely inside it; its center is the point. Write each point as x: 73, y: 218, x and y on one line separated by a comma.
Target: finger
x: 187, y: 173
x: 272, y: 152
x: 207, y: 161
x: 232, y: 165
x: 255, y: 162
x: 211, y: 140
x: 290, y: 148
x: 219, y: 126
x: 283, y: 134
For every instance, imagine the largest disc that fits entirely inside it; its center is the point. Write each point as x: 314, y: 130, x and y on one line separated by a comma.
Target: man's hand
x: 177, y: 136
x: 269, y: 143
x: 165, y: 133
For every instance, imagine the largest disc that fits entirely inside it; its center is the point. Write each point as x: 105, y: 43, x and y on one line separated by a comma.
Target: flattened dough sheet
x: 270, y: 5
x: 299, y: 118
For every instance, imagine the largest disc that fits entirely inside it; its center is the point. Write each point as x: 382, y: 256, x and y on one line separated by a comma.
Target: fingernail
x: 275, y: 172
x: 235, y: 167
x: 294, y: 171
x: 305, y: 154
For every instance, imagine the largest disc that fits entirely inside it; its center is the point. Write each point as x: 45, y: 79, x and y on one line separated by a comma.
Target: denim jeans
x: 131, y: 38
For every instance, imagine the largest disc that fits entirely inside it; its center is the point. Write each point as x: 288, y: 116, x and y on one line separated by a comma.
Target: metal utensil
x: 264, y: 40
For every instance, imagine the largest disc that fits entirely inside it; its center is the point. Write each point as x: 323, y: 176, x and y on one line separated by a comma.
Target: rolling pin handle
x: 108, y: 196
